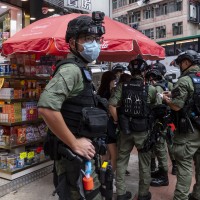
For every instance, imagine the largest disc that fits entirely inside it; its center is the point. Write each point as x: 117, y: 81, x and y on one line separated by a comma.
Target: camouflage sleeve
x: 181, y: 91
x: 159, y: 90
x: 66, y: 83
x: 151, y: 95
x: 170, y: 86
x: 116, y: 96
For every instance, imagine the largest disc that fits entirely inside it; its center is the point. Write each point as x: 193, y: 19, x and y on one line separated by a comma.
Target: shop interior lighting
x: 32, y: 18
x: 4, y: 7
x: 24, y: 0
x: 51, y: 9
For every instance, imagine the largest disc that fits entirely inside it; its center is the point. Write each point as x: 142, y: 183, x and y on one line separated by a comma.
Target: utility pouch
x: 94, y: 120
x: 197, y: 122
x: 183, y: 125
x: 51, y: 146
x: 138, y: 125
x: 124, y: 124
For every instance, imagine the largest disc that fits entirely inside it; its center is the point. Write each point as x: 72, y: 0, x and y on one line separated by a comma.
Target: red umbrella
x: 47, y: 36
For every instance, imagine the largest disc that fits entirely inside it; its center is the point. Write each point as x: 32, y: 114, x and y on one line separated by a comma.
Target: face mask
x: 91, y: 51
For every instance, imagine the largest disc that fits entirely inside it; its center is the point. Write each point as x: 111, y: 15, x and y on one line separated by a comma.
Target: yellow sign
x: 104, y: 165
x: 1, y: 82
x: 31, y: 154
x: 23, y: 155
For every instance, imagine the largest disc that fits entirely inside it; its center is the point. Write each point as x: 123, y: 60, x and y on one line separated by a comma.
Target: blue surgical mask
x: 91, y: 51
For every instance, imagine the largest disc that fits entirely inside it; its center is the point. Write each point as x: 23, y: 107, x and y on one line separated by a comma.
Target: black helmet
x: 83, y: 24
x: 160, y: 67
x: 190, y: 55
x: 118, y: 68
x: 137, y: 66
x: 155, y: 74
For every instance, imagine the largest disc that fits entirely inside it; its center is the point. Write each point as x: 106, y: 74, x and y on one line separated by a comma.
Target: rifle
x: 162, y: 116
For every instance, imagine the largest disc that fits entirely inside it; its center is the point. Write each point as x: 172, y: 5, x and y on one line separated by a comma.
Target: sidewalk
x: 42, y: 189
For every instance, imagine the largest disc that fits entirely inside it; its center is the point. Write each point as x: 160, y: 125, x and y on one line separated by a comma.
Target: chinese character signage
x: 81, y: 4
x: 89, y: 5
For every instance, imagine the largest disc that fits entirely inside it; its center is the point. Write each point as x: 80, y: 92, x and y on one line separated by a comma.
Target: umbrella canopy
x: 47, y: 36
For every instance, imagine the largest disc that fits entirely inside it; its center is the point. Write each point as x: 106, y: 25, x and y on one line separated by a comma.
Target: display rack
x: 22, y: 130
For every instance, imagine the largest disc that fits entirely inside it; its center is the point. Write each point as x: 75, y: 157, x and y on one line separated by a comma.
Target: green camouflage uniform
x: 186, y: 145
x: 67, y: 82
x: 160, y: 147
x: 125, y: 145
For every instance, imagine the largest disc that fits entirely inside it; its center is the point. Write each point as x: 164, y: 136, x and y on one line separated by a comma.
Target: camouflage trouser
x: 186, y: 148
x: 67, y: 172
x: 161, y: 154
x: 125, y: 146
x: 160, y: 151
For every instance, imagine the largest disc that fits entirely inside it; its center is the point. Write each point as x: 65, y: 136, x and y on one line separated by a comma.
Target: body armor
x: 134, y: 112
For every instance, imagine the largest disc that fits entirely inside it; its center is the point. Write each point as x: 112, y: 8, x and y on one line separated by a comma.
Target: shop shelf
x: 35, y: 121
x: 19, y: 100
x: 21, y: 145
x: 25, y: 77
x: 28, y: 169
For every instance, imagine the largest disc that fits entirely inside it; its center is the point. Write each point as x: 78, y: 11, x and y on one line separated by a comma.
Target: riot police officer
x: 132, y: 101
x: 165, y: 85
x: 184, y: 101
x: 160, y: 176
x: 118, y: 70
x: 62, y: 102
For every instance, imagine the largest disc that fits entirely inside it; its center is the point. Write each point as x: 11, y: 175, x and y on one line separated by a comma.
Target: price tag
x: 23, y: 155
x: 31, y: 154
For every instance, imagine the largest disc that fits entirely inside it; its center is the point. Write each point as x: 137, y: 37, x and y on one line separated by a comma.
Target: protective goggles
x: 97, y: 30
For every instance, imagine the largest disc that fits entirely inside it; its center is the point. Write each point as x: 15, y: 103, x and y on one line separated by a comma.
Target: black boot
x: 126, y: 196
x: 190, y: 197
x: 157, y: 173
x: 146, y: 197
x: 174, y: 167
x: 153, y: 164
x: 162, y: 180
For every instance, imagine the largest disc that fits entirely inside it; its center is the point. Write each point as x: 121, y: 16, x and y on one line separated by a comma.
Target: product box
x: 6, y: 93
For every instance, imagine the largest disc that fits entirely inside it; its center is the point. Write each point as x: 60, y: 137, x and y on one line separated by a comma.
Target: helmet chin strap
x: 182, y: 71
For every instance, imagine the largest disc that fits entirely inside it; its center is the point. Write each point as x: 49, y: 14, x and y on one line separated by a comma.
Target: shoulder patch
x: 175, y: 92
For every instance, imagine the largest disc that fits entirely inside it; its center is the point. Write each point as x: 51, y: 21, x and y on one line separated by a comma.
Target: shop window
x: 161, y: 32
x: 148, y: 13
x: 4, y: 27
x: 114, y: 4
x: 169, y: 49
x: 149, y: 33
x: 177, y: 28
x: 134, y: 17
x: 184, y: 45
x: 132, y: 1
x: 122, y: 3
x: 161, y: 10
x: 123, y: 19
x: 174, y: 6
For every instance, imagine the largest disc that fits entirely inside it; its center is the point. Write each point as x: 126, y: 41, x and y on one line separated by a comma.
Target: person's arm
x: 113, y: 112
x: 55, y: 122
x: 170, y: 104
x: 113, y: 102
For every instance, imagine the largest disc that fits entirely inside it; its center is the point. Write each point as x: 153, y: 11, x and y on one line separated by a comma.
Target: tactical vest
x: 72, y: 108
x: 195, y: 77
x: 189, y: 116
x: 134, y: 111
x: 134, y: 99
